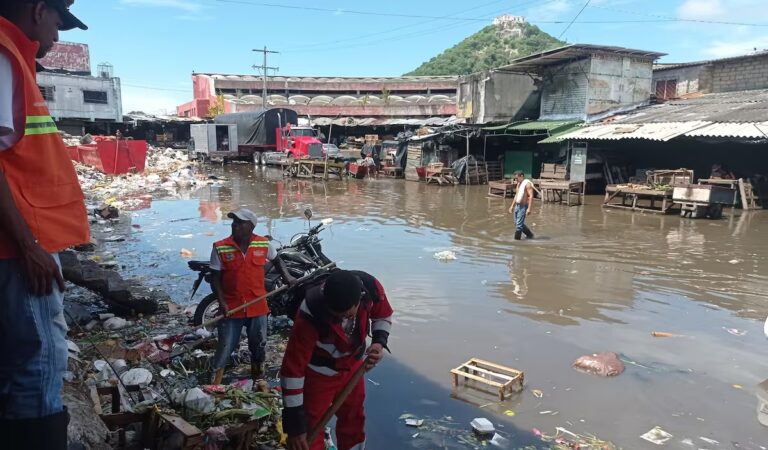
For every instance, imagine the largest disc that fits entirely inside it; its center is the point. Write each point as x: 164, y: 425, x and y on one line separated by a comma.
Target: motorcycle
x: 302, y: 256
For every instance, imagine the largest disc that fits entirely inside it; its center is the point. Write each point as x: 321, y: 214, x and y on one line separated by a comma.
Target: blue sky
x: 154, y: 45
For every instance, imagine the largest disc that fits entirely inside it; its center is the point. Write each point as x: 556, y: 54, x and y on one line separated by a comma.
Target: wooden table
x: 634, y: 195
x: 560, y: 191
x: 502, y: 188
x: 393, y: 171
x: 441, y: 176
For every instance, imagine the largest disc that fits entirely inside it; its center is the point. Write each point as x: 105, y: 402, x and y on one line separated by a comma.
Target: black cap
x: 342, y: 290
x: 68, y: 20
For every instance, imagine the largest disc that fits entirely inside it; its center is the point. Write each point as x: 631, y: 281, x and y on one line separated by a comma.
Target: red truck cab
x: 299, y: 142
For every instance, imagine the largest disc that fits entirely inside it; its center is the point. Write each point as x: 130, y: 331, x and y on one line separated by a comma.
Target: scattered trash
x: 106, y: 212
x: 509, y: 413
x: 115, y: 323
x: 373, y: 382
x: 663, y: 334
x: 657, y: 436
x: 197, y: 400
x: 537, y: 393
x: 734, y: 261
x: 499, y: 441
x: 445, y: 255
x: 414, y: 422
x: 483, y: 426
x: 735, y: 332
x: 138, y: 376
x: 203, y: 333
x: 186, y: 236
x: 91, y: 325
x: 106, y: 316
x: 565, y: 439
x: 687, y: 442
x: 738, y: 386
x: 709, y: 441
x: 549, y: 413
x: 603, y: 364
x: 167, y: 373
x: 186, y: 253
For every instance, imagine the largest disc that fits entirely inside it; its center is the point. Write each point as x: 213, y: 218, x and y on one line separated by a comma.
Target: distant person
x: 522, y: 205
x: 119, y: 135
x: 720, y: 172
x: 225, y: 144
x: 42, y: 212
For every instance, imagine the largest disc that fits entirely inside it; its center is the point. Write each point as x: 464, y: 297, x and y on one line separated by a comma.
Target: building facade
x: 78, y: 101
x: 740, y: 73
x: 588, y: 82
x: 497, y: 97
x: 384, y: 97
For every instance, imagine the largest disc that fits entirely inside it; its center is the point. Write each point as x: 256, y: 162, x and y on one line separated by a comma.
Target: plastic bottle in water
x: 329, y: 445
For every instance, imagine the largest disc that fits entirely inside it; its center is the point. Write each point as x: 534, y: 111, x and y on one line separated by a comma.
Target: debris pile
x: 167, y: 172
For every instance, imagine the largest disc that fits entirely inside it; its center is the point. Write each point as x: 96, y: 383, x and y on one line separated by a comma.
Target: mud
x: 593, y: 281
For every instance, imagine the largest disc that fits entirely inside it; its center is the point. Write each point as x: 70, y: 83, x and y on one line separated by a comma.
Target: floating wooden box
x: 506, y: 379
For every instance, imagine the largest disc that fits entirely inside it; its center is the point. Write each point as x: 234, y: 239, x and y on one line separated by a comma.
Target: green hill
x: 493, y: 46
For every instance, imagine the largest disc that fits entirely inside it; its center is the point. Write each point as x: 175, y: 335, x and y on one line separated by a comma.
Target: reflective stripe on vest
x: 226, y: 249
x: 40, y: 125
x: 258, y: 244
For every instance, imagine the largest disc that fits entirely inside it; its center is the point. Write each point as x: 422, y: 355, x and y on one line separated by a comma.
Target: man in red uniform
x: 42, y: 212
x: 238, y: 278
x: 327, y: 345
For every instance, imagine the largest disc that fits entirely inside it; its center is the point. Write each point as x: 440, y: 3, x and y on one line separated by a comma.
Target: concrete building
x: 587, y: 82
x: 78, y: 101
x: 739, y: 73
x: 384, y: 97
x: 497, y: 97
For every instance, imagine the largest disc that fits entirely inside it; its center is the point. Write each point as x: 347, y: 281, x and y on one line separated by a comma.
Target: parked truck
x: 255, y: 136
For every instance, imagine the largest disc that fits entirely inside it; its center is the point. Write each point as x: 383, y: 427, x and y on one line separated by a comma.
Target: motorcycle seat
x: 199, y: 266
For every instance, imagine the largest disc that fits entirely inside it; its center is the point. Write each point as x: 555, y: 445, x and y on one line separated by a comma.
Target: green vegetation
x: 493, y: 46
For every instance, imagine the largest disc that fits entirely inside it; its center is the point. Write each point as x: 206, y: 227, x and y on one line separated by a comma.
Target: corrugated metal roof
x: 619, y: 131
x: 732, y: 130
x: 372, y: 121
x: 740, y: 106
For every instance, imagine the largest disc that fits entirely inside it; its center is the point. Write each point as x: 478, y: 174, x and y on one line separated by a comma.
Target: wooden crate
x: 506, y: 379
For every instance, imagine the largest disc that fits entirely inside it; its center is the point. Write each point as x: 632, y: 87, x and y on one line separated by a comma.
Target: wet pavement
x: 593, y: 280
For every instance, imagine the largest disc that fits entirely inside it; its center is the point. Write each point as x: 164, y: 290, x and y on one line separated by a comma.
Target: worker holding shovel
x: 326, y: 357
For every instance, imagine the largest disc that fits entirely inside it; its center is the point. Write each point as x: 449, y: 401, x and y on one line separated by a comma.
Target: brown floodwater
x: 593, y: 280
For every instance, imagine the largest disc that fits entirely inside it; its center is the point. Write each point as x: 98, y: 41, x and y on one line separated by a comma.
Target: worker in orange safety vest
x: 238, y: 278
x: 42, y: 212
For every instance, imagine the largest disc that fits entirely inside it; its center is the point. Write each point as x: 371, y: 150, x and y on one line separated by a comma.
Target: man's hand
x: 297, y: 442
x: 512, y: 208
x: 41, y: 270
x: 527, y: 212
x: 223, y: 310
x: 375, y: 354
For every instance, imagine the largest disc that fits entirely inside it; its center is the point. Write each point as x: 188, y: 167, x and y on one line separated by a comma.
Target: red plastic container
x: 112, y: 157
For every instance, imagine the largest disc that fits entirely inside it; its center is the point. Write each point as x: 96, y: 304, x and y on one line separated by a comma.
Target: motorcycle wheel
x: 206, y: 310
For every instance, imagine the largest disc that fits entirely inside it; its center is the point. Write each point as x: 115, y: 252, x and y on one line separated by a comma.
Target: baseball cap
x: 244, y: 214
x: 68, y: 20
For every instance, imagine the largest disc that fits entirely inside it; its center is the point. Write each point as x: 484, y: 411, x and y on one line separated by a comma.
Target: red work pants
x: 319, y: 392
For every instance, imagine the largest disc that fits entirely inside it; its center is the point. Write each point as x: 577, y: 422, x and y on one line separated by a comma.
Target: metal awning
x: 539, y: 61
x: 750, y: 130
x: 621, y: 131
x: 534, y: 128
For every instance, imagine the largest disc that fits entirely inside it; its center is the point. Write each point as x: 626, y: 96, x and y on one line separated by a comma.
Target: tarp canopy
x: 258, y: 127
x: 534, y: 128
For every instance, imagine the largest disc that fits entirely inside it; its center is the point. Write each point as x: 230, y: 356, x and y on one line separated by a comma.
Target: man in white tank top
x: 522, y: 205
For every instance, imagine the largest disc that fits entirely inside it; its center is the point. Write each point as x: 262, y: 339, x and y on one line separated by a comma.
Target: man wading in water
x: 522, y: 205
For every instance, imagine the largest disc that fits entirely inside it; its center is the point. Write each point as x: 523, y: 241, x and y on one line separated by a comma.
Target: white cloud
x: 722, y: 49
x: 702, y: 9
x: 552, y: 8
x: 183, y: 5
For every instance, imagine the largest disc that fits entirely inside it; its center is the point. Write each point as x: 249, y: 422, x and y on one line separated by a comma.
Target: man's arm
x: 529, y: 193
x: 381, y: 325
x: 217, y: 289
x: 298, y: 353
x: 39, y: 266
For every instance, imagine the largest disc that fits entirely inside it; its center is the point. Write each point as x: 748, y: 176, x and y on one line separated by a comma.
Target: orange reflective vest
x: 242, y: 275
x: 38, y: 169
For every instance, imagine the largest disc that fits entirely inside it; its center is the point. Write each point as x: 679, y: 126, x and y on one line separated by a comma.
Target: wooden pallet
x: 495, y: 171
x: 506, y: 379
x: 501, y: 189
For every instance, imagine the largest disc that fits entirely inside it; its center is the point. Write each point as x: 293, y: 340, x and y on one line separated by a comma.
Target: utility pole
x: 264, y: 68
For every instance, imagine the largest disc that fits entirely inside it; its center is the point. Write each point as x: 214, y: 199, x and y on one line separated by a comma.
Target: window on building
x: 98, y: 97
x: 666, y: 89
x: 48, y: 93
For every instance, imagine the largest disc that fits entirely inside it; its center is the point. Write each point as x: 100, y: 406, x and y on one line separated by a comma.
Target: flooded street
x: 593, y: 280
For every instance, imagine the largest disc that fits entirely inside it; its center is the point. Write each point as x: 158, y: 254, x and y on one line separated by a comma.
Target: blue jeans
x: 33, y: 347
x: 229, y: 337
x: 520, y: 211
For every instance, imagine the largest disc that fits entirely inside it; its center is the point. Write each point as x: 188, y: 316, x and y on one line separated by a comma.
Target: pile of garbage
x: 157, y: 364
x: 167, y: 173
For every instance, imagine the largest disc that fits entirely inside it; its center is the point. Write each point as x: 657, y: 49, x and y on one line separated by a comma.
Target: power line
x: 678, y: 19
x: 342, y: 11
x: 575, y: 17
x: 154, y: 88
x: 264, y: 69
